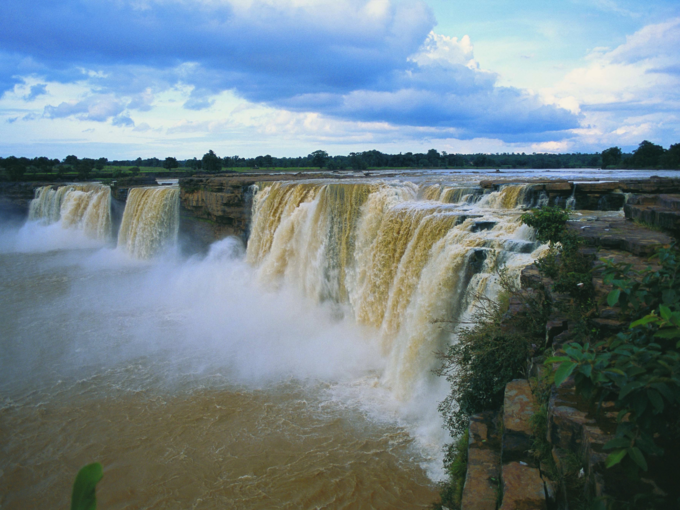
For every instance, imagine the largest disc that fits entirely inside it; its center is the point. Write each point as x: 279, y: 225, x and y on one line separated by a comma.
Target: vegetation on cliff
x: 632, y: 362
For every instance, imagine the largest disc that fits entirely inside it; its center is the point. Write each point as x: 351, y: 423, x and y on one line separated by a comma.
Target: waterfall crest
x: 85, y: 207
x: 402, y: 258
x: 150, y: 221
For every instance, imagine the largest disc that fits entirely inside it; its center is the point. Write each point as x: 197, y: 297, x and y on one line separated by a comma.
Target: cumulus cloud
x: 357, y: 60
x: 93, y: 108
x: 631, y: 91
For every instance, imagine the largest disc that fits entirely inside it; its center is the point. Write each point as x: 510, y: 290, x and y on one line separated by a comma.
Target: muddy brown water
x: 102, y: 361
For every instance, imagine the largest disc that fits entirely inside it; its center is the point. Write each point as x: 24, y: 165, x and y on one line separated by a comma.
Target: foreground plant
x: 639, y: 368
x: 84, y: 496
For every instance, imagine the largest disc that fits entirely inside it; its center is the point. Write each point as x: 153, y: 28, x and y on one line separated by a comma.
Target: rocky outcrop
x: 15, y: 198
x: 619, y: 234
x: 661, y: 211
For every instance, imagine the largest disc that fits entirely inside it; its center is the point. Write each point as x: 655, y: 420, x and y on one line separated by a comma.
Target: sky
x: 141, y: 78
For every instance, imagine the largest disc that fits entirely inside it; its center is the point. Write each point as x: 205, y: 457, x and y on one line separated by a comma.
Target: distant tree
x: 647, y: 155
x: 319, y: 158
x: 268, y: 161
x: 433, y: 158
x: 71, y: 160
x: 671, y: 159
x: 481, y: 160
x: 15, y: 168
x: 356, y: 161
x: 611, y: 157
x: 101, y: 163
x: 211, y: 162
x: 135, y: 171
x: 194, y: 163
x: 84, y: 168
x: 170, y: 163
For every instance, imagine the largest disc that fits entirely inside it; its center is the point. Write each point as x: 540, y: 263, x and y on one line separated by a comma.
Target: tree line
x: 647, y: 156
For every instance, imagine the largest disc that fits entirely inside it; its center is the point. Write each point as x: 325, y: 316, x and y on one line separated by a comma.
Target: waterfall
x: 85, y: 207
x: 404, y: 259
x: 150, y: 221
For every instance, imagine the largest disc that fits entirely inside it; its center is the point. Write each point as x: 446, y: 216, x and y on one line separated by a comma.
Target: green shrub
x: 485, y: 357
x: 638, y: 368
x: 550, y: 223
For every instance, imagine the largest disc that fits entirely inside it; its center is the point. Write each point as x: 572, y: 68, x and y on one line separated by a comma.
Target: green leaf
x: 84, y: 488
x: 563, y: 372
x: 619, y: 442
x: 557, y: 359
x: 645, y: 320
x: 656, y: 400
x: 615, y: 457
x: 613, y: 297
x: 664, y: 390
x: 586, y: 370
x: 630, y: 387
x: 668, y: 333
x: 637, y: 457
x: 665, y: 312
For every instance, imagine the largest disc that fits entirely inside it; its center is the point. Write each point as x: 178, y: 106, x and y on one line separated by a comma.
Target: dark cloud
x: 344, y: 59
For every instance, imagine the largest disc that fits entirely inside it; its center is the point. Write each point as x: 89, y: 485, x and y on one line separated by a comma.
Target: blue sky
x: 128, y: 78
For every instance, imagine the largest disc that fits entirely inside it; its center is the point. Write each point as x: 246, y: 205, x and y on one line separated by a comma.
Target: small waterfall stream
x: 85, y: 207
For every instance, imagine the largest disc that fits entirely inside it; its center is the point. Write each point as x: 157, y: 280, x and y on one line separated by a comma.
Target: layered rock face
x: 661, y: 211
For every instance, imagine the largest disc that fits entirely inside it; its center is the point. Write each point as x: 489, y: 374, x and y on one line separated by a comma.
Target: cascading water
x: 398, y: 257
x: 85, y: 207
x: 150, y: 222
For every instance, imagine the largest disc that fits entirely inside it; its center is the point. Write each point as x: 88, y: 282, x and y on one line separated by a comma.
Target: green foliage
x: 84, y: 495
x: 170, y: 163
x: 647, y: 155
x: 211, y: 162
x: 451, y: 491
x: 485, y: 358
x: 550, y: 223
x: 570, y: 270
x: 611, y: 157
x: 638, y: 368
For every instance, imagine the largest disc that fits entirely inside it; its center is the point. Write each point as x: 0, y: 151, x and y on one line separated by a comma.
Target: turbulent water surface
x: 296, y: 374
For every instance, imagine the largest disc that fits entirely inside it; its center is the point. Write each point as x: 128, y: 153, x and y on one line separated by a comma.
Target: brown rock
x: 483, y: 470
x: 518, y: 408
x: 523, y: 488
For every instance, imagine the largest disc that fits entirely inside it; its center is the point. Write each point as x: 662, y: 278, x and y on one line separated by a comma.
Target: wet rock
x: 518, y: 408
x: 479, y: 226
x: 522, y: 488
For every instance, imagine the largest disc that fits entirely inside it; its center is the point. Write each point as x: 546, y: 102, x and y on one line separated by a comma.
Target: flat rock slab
x: 619, y: 234
x: 523, y: 488
x: 518, y: 408
x: 484, y: 460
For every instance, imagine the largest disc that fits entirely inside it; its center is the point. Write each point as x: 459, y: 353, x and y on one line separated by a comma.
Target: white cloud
x: 629, y: 92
